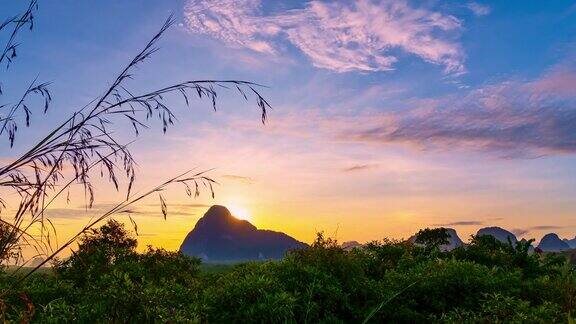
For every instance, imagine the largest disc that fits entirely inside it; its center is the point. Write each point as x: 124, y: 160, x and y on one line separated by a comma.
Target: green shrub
x: 106, y: 280
x: 496, y: 308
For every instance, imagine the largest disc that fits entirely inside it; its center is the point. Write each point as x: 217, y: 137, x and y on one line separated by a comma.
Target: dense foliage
x: 106, y: 280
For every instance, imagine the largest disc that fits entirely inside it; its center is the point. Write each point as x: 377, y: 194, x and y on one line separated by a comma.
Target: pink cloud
x: 511, y: 119
x: 560, y: 81
x: 340, y: 36
x: 230, y: 21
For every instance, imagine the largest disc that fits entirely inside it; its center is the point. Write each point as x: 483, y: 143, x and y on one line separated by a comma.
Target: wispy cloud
x: 545, y: 227
x: 72, y: 213
x: 183, y: 205
x: 357, y: 35
x: 519, y: 231
x: 478, y: 9
x: 524, y: 231
x: 359, y: 167
x: 461, y: 223
x: 80, y: 212
x: 512, y: 119
x: 238, y: 178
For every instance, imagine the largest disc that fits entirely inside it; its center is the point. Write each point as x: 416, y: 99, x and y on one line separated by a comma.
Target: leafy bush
x: 496, y: 308
x: 106, y: 280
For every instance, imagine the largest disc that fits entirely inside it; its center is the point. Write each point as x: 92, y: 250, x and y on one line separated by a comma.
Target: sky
x: 388, y: 116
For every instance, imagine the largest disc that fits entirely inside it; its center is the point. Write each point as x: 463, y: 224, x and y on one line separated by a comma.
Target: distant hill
x: 220, y: 237
x: 349, y: 245
x: 571, y: 243
x: 454, y: 239
x: 498, y: 233
x: 552, y: 243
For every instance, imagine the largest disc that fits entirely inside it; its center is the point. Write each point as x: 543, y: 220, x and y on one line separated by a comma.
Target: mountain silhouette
x: 350, y: 245
x: 552, y: 243
x: 454, y: 240
x: 498, y: 233
x: 220, y: 237
x: 571, y: 243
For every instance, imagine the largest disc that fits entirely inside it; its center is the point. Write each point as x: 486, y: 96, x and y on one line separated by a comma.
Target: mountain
x: 498, y: 233
x: 454, y: 240
x: 220, y: 237
x: 571, y: 243
x: 552, y: 243
x: 350, y: 245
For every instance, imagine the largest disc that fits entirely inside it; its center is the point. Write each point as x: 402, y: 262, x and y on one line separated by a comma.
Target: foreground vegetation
x: 487, y: 281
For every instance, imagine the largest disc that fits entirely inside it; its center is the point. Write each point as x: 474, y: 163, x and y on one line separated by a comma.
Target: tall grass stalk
x: 84, y: 146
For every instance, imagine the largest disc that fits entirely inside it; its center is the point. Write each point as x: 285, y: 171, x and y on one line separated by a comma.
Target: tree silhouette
x: 433, y: 238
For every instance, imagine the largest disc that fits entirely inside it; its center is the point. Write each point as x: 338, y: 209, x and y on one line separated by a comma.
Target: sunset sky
x: 388, y: 116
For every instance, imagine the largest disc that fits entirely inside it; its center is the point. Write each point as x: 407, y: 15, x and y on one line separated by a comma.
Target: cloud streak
x: 357, y: 35
x: 359, y: 167
x: 238, y: 178
x: 461, y: 223
x: 519, y: 232
x: 511, y: 119
x: 524, y: 231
